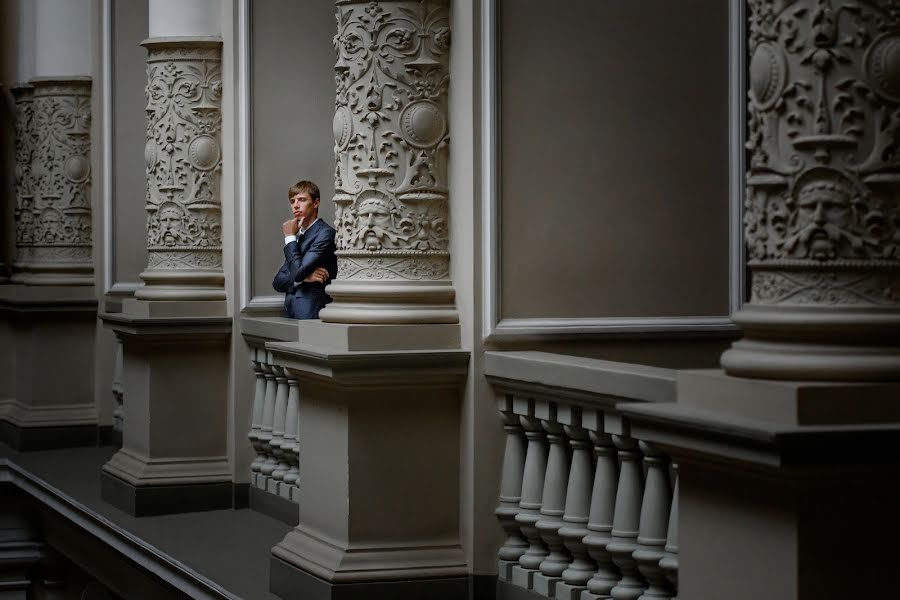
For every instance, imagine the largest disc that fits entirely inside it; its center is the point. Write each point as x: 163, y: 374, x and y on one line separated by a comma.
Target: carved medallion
x: 422, y: 124
x: 883, y: 66
x: 768, y: 74
x: 343, y: 127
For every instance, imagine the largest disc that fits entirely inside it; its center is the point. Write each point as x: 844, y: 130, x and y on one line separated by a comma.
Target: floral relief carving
x: 24, y: 149
x: 183, y: 154
x: 391, y: 136
x: 823, y: 197
x: 53, y: 171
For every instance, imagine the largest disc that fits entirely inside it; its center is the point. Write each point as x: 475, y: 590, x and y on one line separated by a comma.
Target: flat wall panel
x: 614, y: 158
x: 292, y: 110
x: 129, y: 136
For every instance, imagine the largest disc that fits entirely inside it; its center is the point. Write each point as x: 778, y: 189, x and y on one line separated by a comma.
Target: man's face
x: 303, y: 207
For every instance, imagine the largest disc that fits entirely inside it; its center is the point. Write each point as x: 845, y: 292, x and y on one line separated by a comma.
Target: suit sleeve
x: 299, y: 267
x: 282, y: 282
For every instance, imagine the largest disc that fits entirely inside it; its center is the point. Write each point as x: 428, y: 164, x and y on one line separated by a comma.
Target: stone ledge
x: 147, y: 500
x: 278, y: 329
x: 686, y: 432
x: 557, y: 376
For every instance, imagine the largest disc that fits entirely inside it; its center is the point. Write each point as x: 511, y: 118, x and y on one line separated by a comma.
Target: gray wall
x: 129, y: 22
x: 614, y: 158
x: 292, y: 111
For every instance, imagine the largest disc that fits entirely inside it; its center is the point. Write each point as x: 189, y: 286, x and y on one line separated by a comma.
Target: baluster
x: 654, y: 524
x: 626, y: 520
x: 278, y: 422
x: 265, y: 432
x: 290, y: 444
x: 669, y: 562
x: 553, y: 506
x: 575, y: 519
x: 530, y: 505
x: 118, y: 389
x: 511, y: 490
x: 600, y: 524
x: 259, y: 399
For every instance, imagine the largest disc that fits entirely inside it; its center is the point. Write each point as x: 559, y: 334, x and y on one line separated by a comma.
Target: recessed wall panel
x: 129, y: 136
x: 614, y: 158
x: 292, y: 98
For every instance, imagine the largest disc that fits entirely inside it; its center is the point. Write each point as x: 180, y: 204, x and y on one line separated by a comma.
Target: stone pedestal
x: 785, y: 491
x: 48, y: 346
x: 379, y: 462
x: 174, y: 446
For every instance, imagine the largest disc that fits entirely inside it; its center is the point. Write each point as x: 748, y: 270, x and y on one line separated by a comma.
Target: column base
x: 149, y: 500
x: 390, y: 302
x: 292, y: 583
x: 816, y: 344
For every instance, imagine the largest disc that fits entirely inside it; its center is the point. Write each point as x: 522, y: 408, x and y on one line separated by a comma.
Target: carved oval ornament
x: 150, y: 154
x: 343, y: 127
x: 882, y: 65
x: 768, y: 75
x: 422, y: 124
x: 77, y: 168
x: 204, y: 152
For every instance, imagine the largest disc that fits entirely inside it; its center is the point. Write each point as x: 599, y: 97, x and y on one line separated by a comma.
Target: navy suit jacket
x: 314, y: 249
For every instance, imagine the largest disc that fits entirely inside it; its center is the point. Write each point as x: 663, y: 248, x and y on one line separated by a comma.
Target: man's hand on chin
x: 290, y: 227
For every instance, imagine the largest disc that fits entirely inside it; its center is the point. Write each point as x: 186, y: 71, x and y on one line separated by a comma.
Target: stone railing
x: 589, y: 511
x: 275, y: 410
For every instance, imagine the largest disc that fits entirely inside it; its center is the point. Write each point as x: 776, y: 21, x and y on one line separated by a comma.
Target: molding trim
x: 106, y: 185
x: 244, y: 156
x: 265, y: 302
x: 494, y: 327
x: 107, y: 93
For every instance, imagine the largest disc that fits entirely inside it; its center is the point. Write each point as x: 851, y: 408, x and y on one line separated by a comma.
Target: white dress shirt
x: 291, y: 238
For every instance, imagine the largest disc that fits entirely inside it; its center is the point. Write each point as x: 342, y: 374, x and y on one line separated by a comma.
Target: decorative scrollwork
x: 391, y: 134
x: 183, y: 153
x: 824, y: 143
x: 53, y: 171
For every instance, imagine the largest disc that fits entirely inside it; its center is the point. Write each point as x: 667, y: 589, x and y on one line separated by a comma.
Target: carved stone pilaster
x: 25, y: 142
x: 822, y: 211
x: 391, y: 149
x: 53, y: 182
x: 183, y: 158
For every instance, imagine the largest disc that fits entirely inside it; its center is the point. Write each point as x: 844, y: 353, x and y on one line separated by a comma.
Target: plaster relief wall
x: 614, y: 158
x: 129, y: 22
x: 292, y: 98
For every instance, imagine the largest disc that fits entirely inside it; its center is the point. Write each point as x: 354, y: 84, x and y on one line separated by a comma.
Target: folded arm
x: 298, y: 266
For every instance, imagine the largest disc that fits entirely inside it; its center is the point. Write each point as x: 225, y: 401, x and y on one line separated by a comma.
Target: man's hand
x: 320, y: 275
x: 290, y: 227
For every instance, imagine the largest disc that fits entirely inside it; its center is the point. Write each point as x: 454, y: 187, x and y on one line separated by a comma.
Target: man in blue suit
x: 309, y: 259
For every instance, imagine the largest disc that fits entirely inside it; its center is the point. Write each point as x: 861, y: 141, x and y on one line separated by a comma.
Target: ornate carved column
x: 24, y: 142
x: 54, y: 212
x: 391, y: 137
x: 822, y: 212
x: 183, y: 156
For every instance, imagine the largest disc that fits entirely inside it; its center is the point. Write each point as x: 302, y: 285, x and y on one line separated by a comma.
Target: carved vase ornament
x: 822, y: 210
x: 24, y: 147
x: 53, y: 182
x: 391, y: 146
x: 183, y: 158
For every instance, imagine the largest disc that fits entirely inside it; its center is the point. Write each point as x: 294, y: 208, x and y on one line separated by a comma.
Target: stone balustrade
x: 274, y: 420
x: 273, y: 430
x: 589, y: 511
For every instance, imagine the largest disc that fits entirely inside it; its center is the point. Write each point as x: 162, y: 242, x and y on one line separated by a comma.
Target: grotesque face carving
x: 824, y: 219
x: 374, y: 227
x: 171, y: 225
